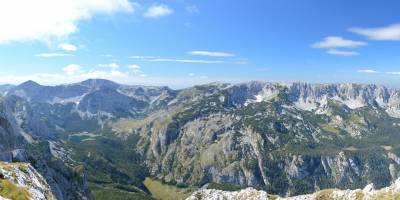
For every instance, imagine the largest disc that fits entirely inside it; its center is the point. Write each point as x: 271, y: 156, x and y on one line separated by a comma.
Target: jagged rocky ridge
x: 367, y: 193
x: 25, y: 180
x: 24, y: 138
x: 287, y: 139
x: 245, y: 194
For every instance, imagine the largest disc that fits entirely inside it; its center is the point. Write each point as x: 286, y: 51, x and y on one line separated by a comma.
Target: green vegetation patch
x: 105, y: 192
x: 167, y: 192
x: 10, y: 190
x: 224, y: 186
x: 112, y: 167
x: 387, y: 147
x: 330, y: 128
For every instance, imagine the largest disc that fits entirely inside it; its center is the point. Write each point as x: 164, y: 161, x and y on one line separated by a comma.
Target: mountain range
x: 98, y: 139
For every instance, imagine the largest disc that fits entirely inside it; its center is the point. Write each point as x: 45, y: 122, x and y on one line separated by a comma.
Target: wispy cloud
x: 67, y: 47
x: 136, y: 69
x: 391, y: 32
x: 142, y: 57
x: 185, y: 60
x: 337, y: 42
x: 48, y: 19
x: 111, y: 65
x: 72, y: 69
x: 198, y: 61
x: 134, y: 66
x: 210, y: 53
x: 47, y: 55
x: 107, y: 55
x: 334, y: 43
x: 341, y: 52
x: 393, y: 73
x: 369, y: 71
x: 157, y: 11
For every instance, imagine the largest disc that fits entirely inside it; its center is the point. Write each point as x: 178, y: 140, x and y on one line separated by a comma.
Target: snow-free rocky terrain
x: 22, y: 181
x: 97, y: 139
x: 391, y: 192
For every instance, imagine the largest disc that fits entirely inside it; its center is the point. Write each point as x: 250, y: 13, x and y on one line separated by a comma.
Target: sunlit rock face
x: 367, y: 193
x: 285, y: 138
x: 28, y: 181
x: 245, y: 194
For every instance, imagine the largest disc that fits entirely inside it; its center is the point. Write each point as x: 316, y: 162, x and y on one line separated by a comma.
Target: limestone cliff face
x: 22, y: 178
x: 23, y: 138
x: 286, y: 138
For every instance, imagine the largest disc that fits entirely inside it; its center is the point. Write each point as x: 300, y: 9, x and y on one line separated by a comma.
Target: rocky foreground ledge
x: 368, y: 193
x: 21, y: 181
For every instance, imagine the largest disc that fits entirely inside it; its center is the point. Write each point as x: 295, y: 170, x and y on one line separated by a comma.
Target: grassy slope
x: 167, y: 192
x: 10, y: 190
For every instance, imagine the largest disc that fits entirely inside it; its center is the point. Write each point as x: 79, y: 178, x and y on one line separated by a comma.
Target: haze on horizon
x: 182, y: 43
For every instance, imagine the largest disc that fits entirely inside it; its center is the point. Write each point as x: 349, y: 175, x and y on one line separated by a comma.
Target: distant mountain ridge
x: 284, y: 138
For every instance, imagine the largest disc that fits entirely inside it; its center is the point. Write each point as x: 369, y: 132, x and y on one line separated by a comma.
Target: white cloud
x: 341, y: 53
x: 134, y: 66
x: 47, y: 55
x: 337, y: 42
x: 332, y: 43
x: 72, y: 69
x: 155, y: 59
x: 142, y: 57
x: 369, y: 71
x: 393, y: 73
x: 43, y: 20
x: 67, y: 47
x: 209, y: 53
x: 391, y: 32
x: 191, y: 74
x: 111, y: 65
x: 185, y: 60
x: 135, y: 69
x: 192, y: 9
x: 158, y: 10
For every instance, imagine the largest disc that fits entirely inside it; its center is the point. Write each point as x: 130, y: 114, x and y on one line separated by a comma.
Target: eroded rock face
x: 25, y: 176
x: 285, y: 138
x: 368, y: 193
x: 245, y: 194
x: 23, y: 138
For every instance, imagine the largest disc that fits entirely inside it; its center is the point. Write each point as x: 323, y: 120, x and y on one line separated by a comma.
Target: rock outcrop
x: 23, y: 180
x: 368, y: 193
x: 245, y: 194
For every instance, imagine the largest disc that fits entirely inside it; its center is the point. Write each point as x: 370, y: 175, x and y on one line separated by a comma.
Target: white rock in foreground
x: 25, y: 176
x: 245, y: 194
x: 368, y: 193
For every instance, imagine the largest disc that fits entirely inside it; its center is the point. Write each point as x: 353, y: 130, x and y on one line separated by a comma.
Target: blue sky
x: 185, y: 42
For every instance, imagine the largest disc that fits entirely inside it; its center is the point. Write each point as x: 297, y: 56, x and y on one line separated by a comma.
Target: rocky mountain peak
x: 28, y: 84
